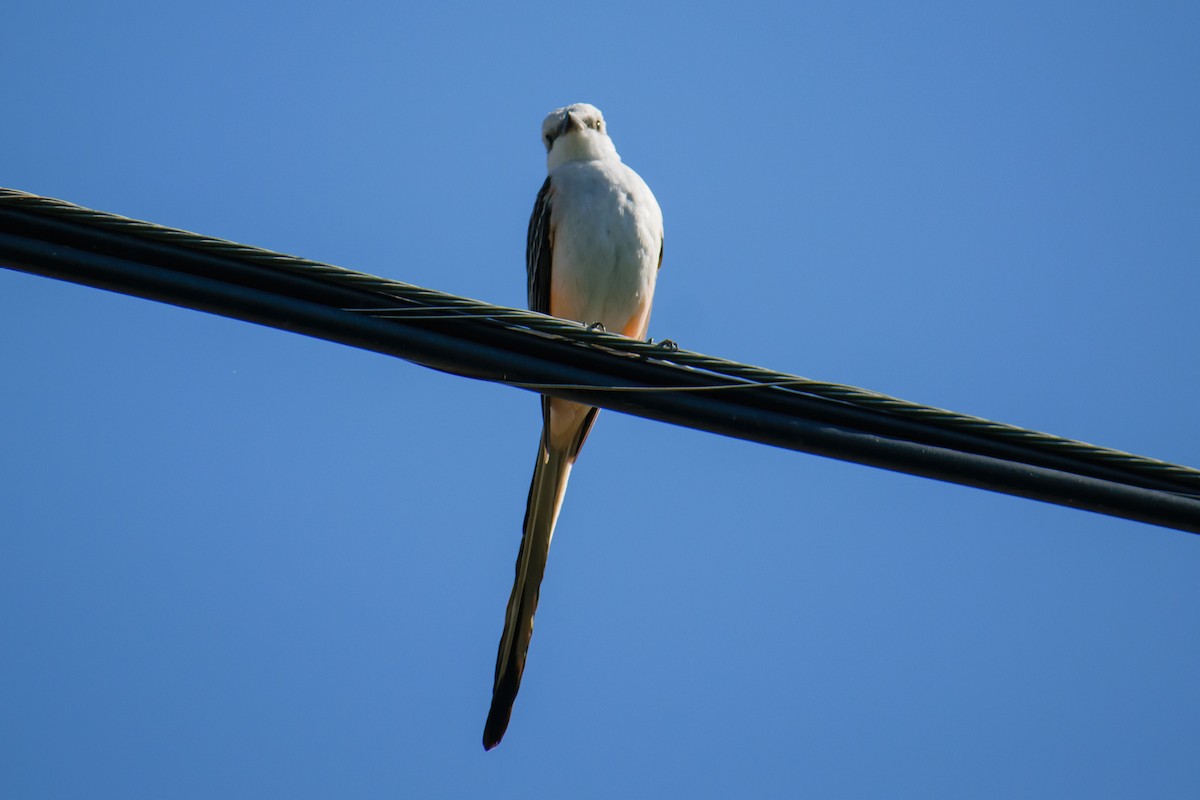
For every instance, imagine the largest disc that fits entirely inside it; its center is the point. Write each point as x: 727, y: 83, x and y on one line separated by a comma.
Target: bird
x: 594, y: 248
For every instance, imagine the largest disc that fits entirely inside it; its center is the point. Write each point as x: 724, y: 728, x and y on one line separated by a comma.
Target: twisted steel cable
x: 661, y: 367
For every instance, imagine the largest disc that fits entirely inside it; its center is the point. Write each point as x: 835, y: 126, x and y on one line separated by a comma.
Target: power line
x: 520, y: 348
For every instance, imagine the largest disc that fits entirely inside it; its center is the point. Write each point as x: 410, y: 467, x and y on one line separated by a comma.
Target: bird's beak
x: 569, y: 124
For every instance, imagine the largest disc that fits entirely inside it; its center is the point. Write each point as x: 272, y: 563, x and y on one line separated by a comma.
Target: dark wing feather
x: 539, y: 250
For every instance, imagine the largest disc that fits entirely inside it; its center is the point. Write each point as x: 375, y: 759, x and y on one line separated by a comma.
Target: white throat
x: 581, y: 145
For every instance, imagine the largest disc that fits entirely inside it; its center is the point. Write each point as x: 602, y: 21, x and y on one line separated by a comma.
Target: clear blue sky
x: 236, y: 562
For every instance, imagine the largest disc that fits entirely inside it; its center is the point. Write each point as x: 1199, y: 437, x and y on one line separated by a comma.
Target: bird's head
x: 576, y: 133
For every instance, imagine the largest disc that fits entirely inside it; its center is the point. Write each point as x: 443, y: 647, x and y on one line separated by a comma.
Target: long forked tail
x: 546, y: 492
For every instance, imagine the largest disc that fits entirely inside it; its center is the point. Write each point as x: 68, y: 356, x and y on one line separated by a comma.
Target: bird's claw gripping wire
x: 666, y: 344
x: 597, y: 326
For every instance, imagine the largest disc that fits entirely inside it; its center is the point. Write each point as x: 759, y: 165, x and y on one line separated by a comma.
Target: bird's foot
x: 665, y: 344
x: 597, y: 326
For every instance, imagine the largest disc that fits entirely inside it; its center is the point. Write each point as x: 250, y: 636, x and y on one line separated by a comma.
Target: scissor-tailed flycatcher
x: 593, y: 253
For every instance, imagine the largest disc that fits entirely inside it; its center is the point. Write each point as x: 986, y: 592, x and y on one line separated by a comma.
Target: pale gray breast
x: 607, y: 237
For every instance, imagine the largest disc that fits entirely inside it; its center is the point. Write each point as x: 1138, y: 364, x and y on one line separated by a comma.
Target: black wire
x: 62, y: 241
x: 427, y: 303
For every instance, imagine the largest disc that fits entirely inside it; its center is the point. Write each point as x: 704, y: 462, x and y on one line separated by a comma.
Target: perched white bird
x: 595, y: 245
